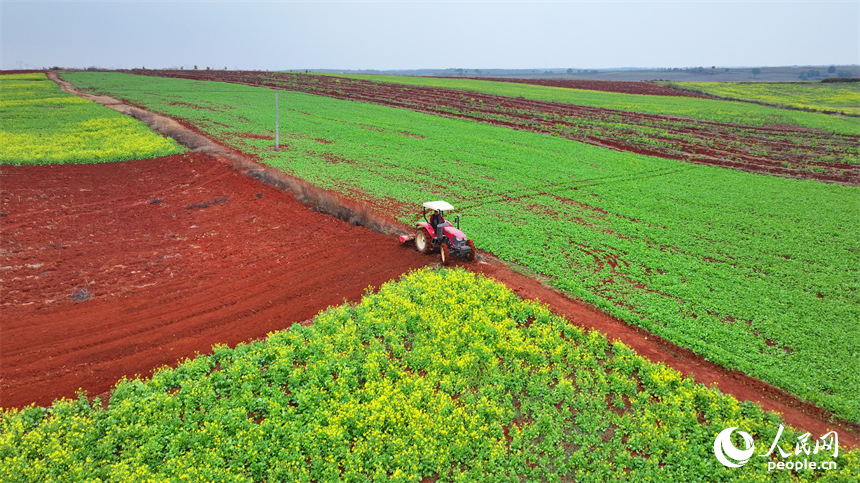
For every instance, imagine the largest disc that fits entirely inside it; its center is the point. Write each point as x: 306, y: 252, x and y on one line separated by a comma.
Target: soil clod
x: 81, y: 294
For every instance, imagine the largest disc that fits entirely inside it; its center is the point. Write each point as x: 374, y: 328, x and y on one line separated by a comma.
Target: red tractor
x: 437, y: 232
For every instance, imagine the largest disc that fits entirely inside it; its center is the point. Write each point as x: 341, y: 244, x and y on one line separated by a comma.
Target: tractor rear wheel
x: 446, y: 254
x: 421, y: 241
x: 471, y: 256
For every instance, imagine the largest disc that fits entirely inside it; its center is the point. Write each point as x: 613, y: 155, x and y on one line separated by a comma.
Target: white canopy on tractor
x: 438, y: 205
x: 444, y: 236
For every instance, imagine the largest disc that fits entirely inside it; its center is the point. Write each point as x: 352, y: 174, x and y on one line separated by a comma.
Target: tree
x: 570, y: 71
x: 756, y: 72
x: 831, y: 69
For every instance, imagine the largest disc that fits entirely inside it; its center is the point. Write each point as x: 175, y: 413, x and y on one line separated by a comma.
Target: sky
x: 405, y: 34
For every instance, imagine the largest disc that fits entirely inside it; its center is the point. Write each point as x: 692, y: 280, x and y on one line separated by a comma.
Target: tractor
x: 438, y: 233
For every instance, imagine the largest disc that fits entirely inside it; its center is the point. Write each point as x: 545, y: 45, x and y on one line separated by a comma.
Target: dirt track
x: 184, y: 252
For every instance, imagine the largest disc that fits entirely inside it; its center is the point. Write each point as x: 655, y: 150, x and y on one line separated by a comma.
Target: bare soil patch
x: 113, y: 270
x: 250, y: 135
x: 623, y: 87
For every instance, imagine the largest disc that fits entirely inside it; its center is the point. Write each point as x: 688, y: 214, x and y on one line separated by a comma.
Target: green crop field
x: 439, y: 374
x: 40, y: 124
x: 838, y: 97
x: 756, y: 273
x: 705, y: 109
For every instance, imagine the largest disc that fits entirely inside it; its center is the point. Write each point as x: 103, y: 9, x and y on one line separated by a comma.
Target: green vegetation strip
x: 756, y: 273
x: 438, y: 374
x: 40, y: 124
x: 705, y: 109
x: 838, y: 97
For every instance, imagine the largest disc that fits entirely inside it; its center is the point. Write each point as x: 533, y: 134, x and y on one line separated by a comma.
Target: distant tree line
x: 695, y: 70
x: 841, y: 79
x: 809, y: 74
x: 814, y: 74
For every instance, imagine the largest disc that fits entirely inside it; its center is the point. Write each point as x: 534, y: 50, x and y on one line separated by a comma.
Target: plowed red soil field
x: 623, y: 87
x: 112, y: 270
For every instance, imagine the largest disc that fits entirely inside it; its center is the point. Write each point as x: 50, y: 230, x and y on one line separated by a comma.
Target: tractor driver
x: 436, y: 221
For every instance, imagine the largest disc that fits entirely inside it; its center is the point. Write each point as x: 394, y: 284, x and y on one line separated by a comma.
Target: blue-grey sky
x: 408, y: 34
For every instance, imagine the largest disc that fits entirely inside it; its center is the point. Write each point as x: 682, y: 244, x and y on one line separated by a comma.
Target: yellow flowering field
x: 41, y: 124
x: 441, y: 373
x: 838, y: 97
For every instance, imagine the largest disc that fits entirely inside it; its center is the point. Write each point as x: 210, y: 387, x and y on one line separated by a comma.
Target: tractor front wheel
x: 421, y: 241
x: 446, y: 254
x: 471, y: 256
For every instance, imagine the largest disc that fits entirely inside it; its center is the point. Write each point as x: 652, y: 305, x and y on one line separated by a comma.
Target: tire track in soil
x: 139, y: 329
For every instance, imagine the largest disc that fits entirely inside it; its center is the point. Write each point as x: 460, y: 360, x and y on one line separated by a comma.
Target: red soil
x: 250, y: 135
x: 623, y: 87
x: 167, y: 279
